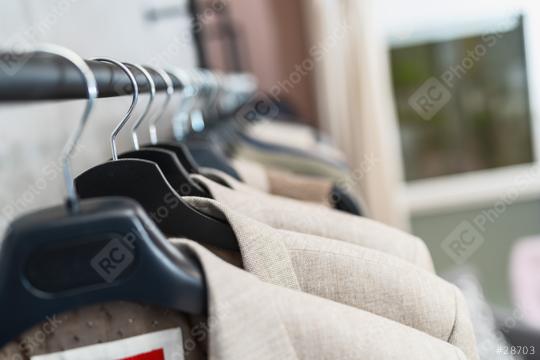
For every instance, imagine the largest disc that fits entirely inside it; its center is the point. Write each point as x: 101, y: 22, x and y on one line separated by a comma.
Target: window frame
x: 483, y: 187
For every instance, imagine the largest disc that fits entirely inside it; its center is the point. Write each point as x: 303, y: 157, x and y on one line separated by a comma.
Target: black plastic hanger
x: 192, y: 154
x: 144, y: 181
x: 167, y: 160
x: 181, y: 151
x: 207, y: 154
x: 201, y: 145
x: 90, y: 252
x: 57, y: 260
x: 173, y: 171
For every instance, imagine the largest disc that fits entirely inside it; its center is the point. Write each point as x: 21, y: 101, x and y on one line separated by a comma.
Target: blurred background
x: 433, y: 103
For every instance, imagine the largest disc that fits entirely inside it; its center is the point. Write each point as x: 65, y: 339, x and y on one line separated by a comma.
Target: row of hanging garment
x: 231, y: 242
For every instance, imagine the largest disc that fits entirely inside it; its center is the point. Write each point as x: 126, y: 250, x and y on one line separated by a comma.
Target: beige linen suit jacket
x: 297, y: 136
x: 282, y: 183
x: 364, y: 278
x: 248, y: 319
x: 308, y: 218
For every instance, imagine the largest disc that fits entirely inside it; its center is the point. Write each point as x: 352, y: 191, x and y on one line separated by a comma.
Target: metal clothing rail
x: 34, y: 77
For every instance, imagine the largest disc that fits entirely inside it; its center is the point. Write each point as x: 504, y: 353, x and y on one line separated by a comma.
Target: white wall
x: 32, y: 135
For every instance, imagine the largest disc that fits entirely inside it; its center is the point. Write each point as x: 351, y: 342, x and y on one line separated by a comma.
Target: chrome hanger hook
x: 132, y: 106
x: 92, y: 92
x: 196, y: 115
x: 180, y: 119
x: 170, y: 91
x: 188, y: 89
x: 139, y: 121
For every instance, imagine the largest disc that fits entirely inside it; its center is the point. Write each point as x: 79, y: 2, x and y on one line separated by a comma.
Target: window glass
x: 463, y: 103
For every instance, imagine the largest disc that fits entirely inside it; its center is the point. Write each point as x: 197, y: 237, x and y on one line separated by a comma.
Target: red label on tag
x: 159, y: 345
x: 152, y: 355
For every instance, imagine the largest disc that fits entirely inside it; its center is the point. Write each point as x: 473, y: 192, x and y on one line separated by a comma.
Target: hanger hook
x: 189, y: 93
x: 139, y: 121
x: 132, y: 106
x: 170, y: 91
x: 196, y: 116
x: 92, y: 92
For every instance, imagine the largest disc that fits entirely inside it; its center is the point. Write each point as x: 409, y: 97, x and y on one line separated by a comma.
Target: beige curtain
x: 355, y: 100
